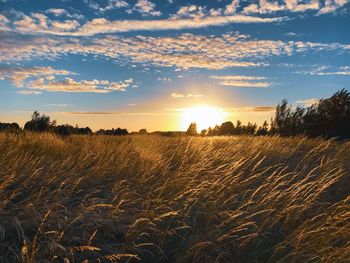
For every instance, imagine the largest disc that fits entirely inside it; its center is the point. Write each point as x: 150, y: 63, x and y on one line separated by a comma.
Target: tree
x: 10, y: 127
x: 117, y: 132
x: 227, y: 128
x: 192, y: 129
x: 204, y: 132
x: 120, y: 131
x: 329, y: 117
x: 263, y: 130
x: 64, y: 130
x: 288, y: 122
x: 143, y: 131
x: 39, y: 123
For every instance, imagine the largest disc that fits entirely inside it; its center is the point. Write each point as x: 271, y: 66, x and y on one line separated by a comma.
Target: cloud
x: 29, y: 92
x: 102, y: 25
x: 40, y: 24
x: 320, y: 70
x: 191, y: 11
x: 252, y: 109
x: 332, y: 5
x: 308, y: 102
x: 268, y: 7
x: 4, y: 23
x: 43, y: 78
x: 290, y: 34
x: 120, y: 3
x: 146, y: 8
x: 232, y: 7
x: 236, y: 77
x: 263, y: 108
x: 60, y: 105
x: 114, y: 4
x: 17, y: 76
x: 245, y: 84
x: 56, y: 11
x: 71, y: 85
x: 241, y: 81
x: 182, y: 51
x: 189, y: 95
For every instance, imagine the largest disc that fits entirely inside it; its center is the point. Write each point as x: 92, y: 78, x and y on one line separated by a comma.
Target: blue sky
x: 138, y: 64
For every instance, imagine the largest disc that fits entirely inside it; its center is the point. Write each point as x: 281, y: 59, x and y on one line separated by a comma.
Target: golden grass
x: 157, y: 199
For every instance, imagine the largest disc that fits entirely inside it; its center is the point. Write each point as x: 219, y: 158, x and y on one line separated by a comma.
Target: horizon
x: 159, y: 66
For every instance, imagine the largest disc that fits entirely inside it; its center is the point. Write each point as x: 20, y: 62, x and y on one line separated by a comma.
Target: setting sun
x: 204, y: 116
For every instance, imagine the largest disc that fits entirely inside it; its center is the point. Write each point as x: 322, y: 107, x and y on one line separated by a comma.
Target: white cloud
x: 146, y: 8
x: 66, y: 25
x: 29, y: 92
x: 332, y: 5
x: 40, y: 24
x: 182, y: 52
x: 113, y: 4
x: 232, y: 7
x: 267, y: 6
x: 4, y: 23
x: 56, y: 11
x: 71, y: 85
x: 17, y: 76
x: 43, y: 78
x: 60, y: 105
x: 242, y: 81
x: 191, y: 11
x: 236, y: 77
x: 322, y: 70
x: 290, y: 34
x: 245, y: 84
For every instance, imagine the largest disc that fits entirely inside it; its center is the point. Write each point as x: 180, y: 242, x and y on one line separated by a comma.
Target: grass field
x: 184, y: 199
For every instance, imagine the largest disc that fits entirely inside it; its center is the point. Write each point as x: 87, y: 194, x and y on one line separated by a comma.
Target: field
x: 173, y: 199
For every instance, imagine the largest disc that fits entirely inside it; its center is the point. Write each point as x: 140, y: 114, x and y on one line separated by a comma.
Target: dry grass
x: 156, y: 199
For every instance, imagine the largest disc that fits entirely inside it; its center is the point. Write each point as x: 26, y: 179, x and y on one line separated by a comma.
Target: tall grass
x: 157, y: 199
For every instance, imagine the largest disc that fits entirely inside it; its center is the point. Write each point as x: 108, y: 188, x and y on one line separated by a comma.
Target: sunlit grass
x: 181, y: 199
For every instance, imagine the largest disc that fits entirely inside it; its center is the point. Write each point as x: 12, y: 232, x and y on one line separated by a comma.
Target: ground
x: 173, y: 199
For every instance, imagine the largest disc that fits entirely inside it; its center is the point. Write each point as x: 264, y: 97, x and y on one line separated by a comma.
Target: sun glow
x: 203, y: 116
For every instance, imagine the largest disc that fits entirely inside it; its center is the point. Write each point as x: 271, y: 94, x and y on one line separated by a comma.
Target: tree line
x: 327, y: 118
x: 42, y: 123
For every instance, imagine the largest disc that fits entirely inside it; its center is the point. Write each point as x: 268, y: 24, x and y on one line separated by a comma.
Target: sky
x: 147, y: 63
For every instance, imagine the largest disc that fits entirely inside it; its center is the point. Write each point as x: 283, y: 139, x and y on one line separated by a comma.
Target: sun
x: 204, y: 116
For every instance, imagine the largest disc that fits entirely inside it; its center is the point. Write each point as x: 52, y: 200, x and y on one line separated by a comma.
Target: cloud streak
x: 38, y: 79
x: 18, y: 75
x: 84, y: 86
x: 238, y: 81
x: 184, y: 51
x: 39, y: 23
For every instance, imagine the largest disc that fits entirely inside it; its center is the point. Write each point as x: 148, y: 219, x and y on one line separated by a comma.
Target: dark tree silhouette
x: 288, y: 122
x: 263, y: 130
x: 39, y: 123
x: 192, y: 129
x: 117, y: 132
x: 10, y: 127
x: 227, y: 128
x: 329, y: 117
x: 143, y: 131
x: 65, y: 130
